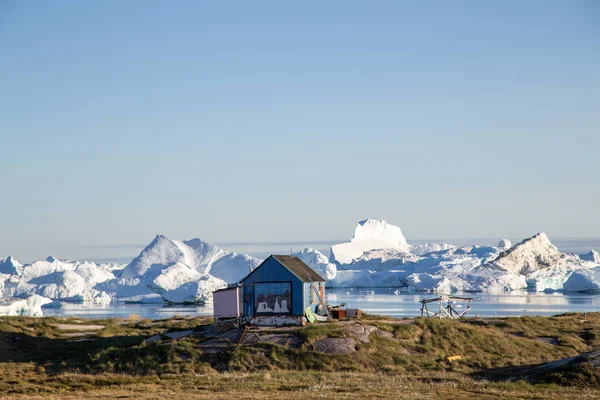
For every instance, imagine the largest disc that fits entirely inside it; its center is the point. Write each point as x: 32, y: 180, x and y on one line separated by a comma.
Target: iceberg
x: 592, y: 256
x: 318, y: 262
x: 530, y: 255
x: 369, y: 234
x: 378, y: 255
x: 204, y: 257
x: 178, y: 272
x: 504, y: 244
x: 179, y: 283
x: 585, y: 280
x: 382, y: 260
x: 426, y: 282
x: 425, y: 248
x: 129, y: 290
x: 166, y: 270
x: 30, y: 307
x: 10, y: 266
x: 535, y: 262
x: 64, y: 280
x: 365, y: 278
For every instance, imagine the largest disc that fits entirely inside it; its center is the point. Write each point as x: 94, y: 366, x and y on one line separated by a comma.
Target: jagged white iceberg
x: 166, y: 269
x: 10, y: 266
x: 178, y: 272
x: 318, y: 262
x: 64, y: 280
x: 31, y: 306
x: 369, y: 234
x: 179, y: 283
x: 530, y: 255
x: 204, y: 257
x: 592, y: 256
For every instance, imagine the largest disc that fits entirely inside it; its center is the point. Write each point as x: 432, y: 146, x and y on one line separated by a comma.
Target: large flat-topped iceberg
x: 369, y: 234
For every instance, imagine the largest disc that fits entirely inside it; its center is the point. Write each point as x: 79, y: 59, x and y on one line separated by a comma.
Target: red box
x: 338, y: 314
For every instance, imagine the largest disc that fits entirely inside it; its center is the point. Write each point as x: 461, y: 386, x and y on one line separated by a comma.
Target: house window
x: 273, y: 298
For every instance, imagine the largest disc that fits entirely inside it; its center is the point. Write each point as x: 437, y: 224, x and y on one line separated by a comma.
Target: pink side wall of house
x: 227, y: 303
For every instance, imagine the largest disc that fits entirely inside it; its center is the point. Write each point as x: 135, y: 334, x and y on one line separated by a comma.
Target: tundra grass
x: 285, y: 385
x: 38, y: 359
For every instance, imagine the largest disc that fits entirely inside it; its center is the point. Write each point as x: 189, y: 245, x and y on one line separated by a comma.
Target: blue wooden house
x: 280, y: 286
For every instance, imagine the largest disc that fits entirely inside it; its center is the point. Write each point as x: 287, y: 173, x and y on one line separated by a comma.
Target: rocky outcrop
x: 335, y: 346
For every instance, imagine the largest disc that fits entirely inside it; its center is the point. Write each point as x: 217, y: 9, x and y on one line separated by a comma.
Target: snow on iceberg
x: 369, y: 234
x: 31, y: 306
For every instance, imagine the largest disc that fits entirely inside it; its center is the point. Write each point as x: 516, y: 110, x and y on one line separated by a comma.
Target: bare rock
x: 335, y: 346
x: 384, y: 334
x: 360, y: 332
x: 179, y: 334
x: 281, y: 339
x: 155, y: 338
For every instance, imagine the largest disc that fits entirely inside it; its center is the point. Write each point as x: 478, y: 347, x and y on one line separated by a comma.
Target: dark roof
x: 299, y: 268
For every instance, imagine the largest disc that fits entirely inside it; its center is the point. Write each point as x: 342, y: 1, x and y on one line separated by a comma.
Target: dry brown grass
x: 289, y: 385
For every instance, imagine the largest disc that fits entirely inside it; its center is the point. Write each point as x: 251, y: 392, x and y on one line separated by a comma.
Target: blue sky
x: 280, y: 121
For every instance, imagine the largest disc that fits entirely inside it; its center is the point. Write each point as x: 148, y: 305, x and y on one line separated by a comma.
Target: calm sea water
x: 375, y: 301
